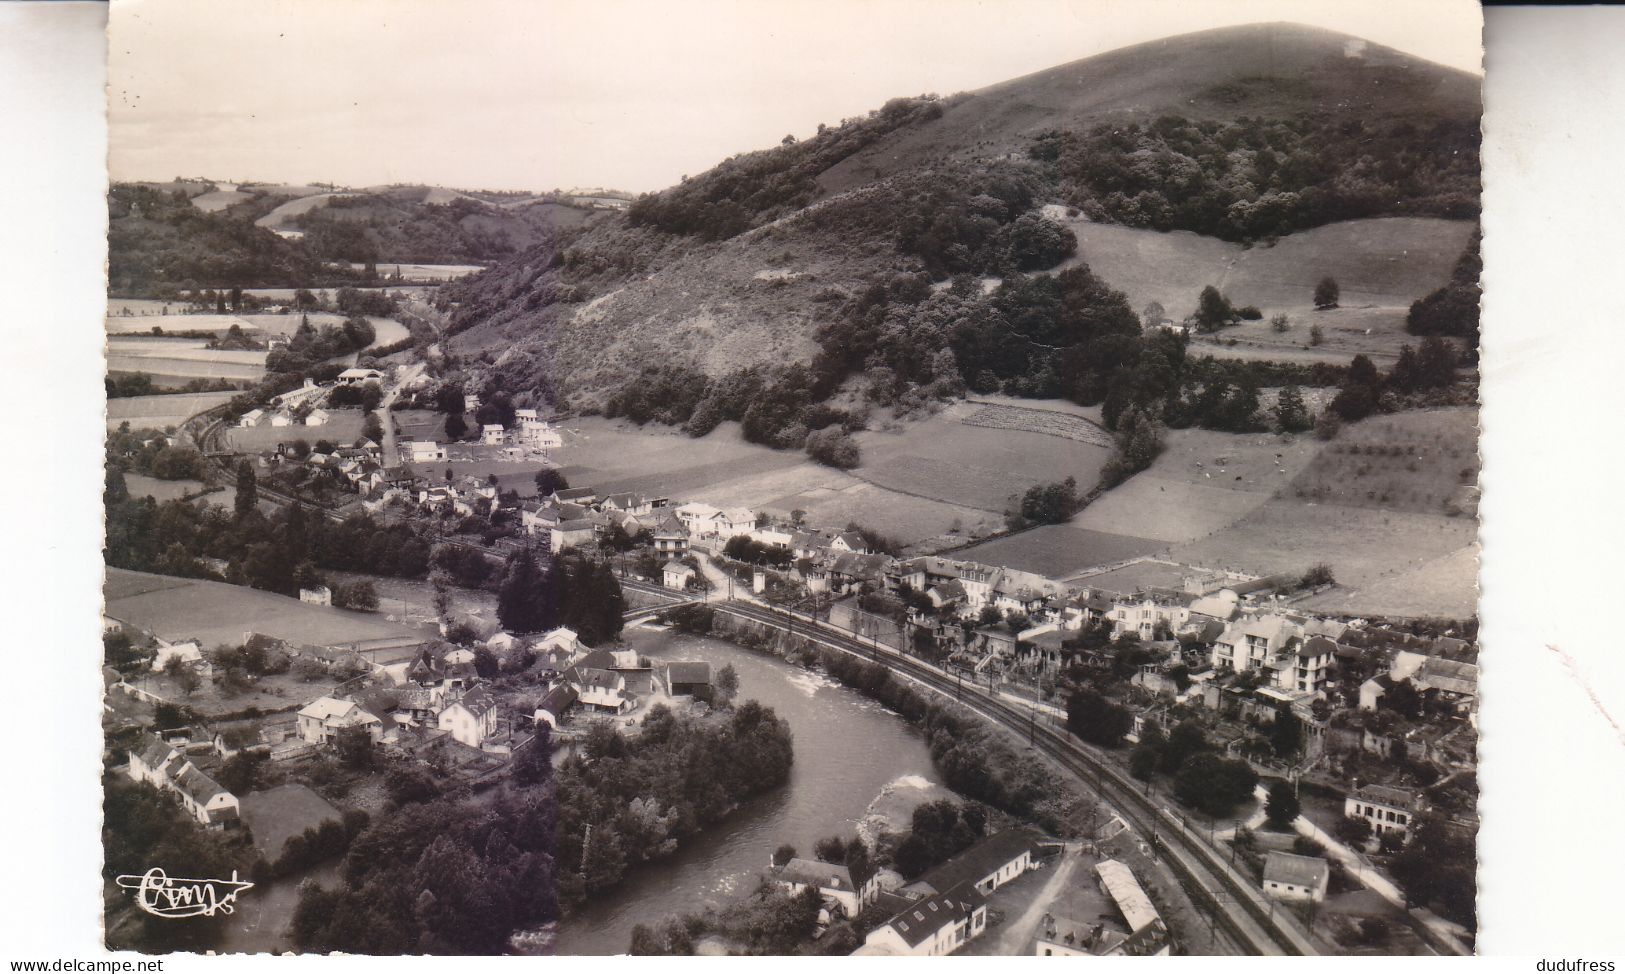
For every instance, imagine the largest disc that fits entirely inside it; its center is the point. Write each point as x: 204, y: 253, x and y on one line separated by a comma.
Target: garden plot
x: 1059, y: 550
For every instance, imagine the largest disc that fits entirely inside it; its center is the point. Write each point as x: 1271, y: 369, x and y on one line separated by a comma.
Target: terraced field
x: 1048, y: 422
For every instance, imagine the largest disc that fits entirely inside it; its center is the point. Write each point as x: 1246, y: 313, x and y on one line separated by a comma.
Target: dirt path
x: 1015, y: 939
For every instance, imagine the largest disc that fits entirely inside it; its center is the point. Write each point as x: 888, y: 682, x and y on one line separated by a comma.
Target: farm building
x: 360, y: 375
x: 1290, y: 877
x: 318, y: 417
x: 424, y: 451
x: 985, y: 866
x: 317, y: 595
x: 251, y: 418
x: 676, y: 575
x: 687, y: 677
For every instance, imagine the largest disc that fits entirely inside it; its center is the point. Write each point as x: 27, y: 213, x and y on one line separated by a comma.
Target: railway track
x: 1245, y: 914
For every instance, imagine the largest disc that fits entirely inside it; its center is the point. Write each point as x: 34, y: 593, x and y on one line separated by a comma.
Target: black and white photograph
x: 794, y: 479
x: 552, y: 510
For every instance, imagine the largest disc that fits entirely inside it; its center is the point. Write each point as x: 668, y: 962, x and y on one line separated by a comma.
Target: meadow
x: 342, y: 428
x: 182, y: 359
x: 161, y: 412
x: 1059, y: 550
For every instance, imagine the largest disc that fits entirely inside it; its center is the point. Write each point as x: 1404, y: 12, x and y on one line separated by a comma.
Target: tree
x: 1318, y: 576
x: 1097, y: 720
x: 1291, y: 415
x: 831, y: 850
x: 1213, y: 310
x: 456, y: 426
x: 833, y: 448
x: 1282, y: 807
x: 360, y: 594
x: 1316, y: 335
x: 354, y: 747
x: 1186, y: 739
x: 783, y: 854
x: 240, y: 774
x: 550, y: 479
x: 534, y: 764
x: 727, y: 685
x: 1354, y: 832
x: 522, y: 600
x: 247, y: 489
x: 1286, y: 734
x: 1326, y: 294
x: 1280, y: 324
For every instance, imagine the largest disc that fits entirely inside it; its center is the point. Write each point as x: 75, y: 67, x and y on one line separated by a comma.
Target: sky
x: 627, y: 94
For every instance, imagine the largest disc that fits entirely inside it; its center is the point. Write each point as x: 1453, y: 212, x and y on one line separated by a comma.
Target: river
x: 847, y: 750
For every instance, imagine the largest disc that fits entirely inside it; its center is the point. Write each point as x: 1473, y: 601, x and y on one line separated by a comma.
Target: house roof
x: 981, y: 860
x: 328, y: 709
x: 1283, y: 867
x: 197, y: 785
x: 852, y: 539
x: 157, y: 752
x: 558, y: 699
x: 587, y: 677
x: 572, y: 493
x: 1125, y: 891
x: 1318, y: 646
x: 478, y: 701
x: 921, y: 919
x: 812, y: 872
x: 949, y: 591
x: 688, y: 671
x: 676, y: 567
x: 1386, y: 795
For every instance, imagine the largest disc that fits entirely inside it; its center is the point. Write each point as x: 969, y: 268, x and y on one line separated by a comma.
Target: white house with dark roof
x: 471, y: 718
x: 155, y: 762
x: 492, y: 434
x: 833, y: 882
x: 676, y: 575
x: 204, y: 798
x: 424, y: 451
x: 930, y: 926
x: 1388, y: 809
x: 324, y: 718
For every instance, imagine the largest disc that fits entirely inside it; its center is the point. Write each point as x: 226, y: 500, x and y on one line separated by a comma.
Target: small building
x: 155, y: 762
x: 471, y: 718
x: 1136, y: 908
x: 205, y: 799
x: 833, y: 883
x: 323, y: 719
x: 1388, y: 809
x: 572, y: 534
x: 670, y: 538
x: 676, y: 575
x: 317, y: 417
x: 424, y: 451
x: 555, y: 704
x: 492, y: 434
x: 251, y: 418
x: 985, y: 866
x: 317, y: 595
x: 351, y: 376
x: 931, y: 926
x: 281, y: 418
x: 686, y: 678
x: 558, y: 641
x: 470, y: 403
x: 187, y: 652
x: 1290, y: 877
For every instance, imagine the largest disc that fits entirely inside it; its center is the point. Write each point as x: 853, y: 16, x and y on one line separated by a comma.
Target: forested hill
x: 835, y: 251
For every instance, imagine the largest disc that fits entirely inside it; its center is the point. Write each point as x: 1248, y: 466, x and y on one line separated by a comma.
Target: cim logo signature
x: 164, y: 896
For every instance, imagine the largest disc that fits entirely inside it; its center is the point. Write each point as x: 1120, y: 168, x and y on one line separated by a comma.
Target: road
x: 391, y: 452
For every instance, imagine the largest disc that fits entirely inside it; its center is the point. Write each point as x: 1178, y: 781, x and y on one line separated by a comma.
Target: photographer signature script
x: 163, y: 896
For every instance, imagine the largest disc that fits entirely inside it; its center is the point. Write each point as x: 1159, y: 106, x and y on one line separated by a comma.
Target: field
x: 160, y: 412
x: 387, y: 331
x: 424, y: 272
x: 219, y: 199
x: 1424, y: 462
x: 1059, y: 550
x: 182, y: 359
x: 276, y: 815
x: 1202, y: 482
x: 141, y: 485
x: 1140, y: 575
x: 1381, y: 266
x: 343, y: 428
x: 1364, y: 547
x: 215, y: 613
x: 943, y: 458
x: 283, y: 215
x: 1373, y: 504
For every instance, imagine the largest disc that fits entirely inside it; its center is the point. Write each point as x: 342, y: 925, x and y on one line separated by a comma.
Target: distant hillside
x: 844, y: 262
x: 1257, y: 70
x: 163, y: 236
